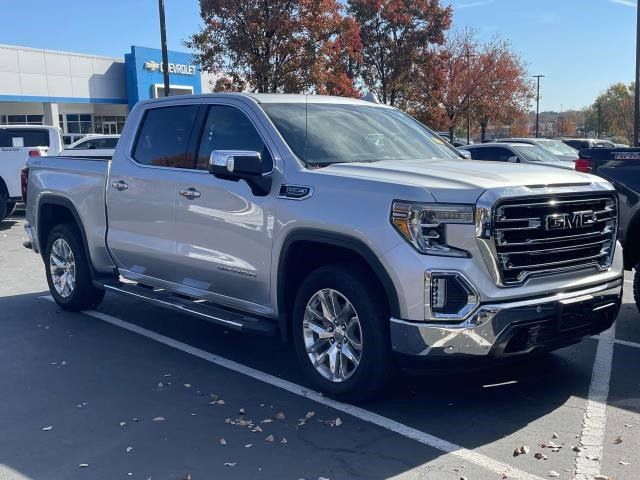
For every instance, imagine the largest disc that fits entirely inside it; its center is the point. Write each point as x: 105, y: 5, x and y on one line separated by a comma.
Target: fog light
x: 449, y: 296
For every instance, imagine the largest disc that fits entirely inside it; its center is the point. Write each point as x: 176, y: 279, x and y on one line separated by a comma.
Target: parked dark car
x: 583, y: 143
x: 621, y: 166
x: 457, y: 141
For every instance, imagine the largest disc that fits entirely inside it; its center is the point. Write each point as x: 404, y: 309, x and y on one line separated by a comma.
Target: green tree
x: 613, y: 112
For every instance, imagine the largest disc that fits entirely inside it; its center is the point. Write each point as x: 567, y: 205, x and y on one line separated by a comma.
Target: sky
x: 581, y: 46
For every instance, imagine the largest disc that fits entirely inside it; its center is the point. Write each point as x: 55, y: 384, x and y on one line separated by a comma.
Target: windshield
x: 533, y: 153
x: 558, y: 148
x: 321, y: 134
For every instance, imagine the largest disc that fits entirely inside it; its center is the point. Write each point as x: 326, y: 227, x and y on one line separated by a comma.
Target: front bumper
x: 514, y: 327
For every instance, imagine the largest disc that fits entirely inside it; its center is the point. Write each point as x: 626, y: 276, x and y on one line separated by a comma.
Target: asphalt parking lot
x: 134, y: 391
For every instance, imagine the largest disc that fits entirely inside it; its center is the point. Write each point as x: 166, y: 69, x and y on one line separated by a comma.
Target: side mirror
x: 512, y: 159
x: 465, y: 153
x: 240, y: 164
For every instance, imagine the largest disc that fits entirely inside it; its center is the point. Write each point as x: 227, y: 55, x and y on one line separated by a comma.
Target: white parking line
x: 360, y: 413
x: 627, y: 343
x: 589, y: 458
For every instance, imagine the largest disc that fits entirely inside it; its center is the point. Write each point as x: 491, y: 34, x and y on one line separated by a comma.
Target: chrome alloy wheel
x: 62, y: 267
x: 332, y: 335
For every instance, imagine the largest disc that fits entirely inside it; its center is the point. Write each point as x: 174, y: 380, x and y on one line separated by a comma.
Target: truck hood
x: 458, y: 181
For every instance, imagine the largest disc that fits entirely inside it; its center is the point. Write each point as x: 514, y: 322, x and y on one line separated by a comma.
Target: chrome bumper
x: 515, y: 327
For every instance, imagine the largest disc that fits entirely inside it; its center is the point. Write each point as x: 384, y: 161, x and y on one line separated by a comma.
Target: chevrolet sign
x: 177, y: 68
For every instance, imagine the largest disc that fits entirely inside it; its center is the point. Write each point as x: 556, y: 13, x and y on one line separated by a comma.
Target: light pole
x: 163, y: 41
x: 538, y: 77
x: 636, y: 123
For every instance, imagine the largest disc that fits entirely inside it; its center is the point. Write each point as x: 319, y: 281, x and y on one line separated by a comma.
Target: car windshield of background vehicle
x: 558, y: 148
x: 533, y: 153
x: 322, y: 134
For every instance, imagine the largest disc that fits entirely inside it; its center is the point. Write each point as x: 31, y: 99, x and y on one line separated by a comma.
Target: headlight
x: 423, y: 225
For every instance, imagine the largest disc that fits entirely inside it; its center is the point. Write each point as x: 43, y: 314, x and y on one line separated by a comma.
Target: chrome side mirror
x: 241, y: 164
x: 512, y: 159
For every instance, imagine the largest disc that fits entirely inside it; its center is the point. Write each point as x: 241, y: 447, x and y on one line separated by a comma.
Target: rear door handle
x: 120, y: 185
x: 190, y: 193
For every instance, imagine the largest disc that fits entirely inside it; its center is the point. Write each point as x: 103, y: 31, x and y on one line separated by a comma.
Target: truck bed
x: 78, y: 183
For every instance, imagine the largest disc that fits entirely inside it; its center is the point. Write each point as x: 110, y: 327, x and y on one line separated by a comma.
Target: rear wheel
x: 341, y: 333
x: 68, y: 273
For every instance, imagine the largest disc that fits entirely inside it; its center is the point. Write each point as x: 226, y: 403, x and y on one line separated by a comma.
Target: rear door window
x: 16, y: 137
x: 164, y: 137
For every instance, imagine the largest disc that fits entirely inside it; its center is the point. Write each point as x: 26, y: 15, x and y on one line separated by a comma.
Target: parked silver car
x: 516, y: 153
x: 557, y: 148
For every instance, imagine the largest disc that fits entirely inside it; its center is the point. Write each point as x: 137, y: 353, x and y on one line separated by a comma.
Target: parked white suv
x: 17, y: 144
x: 96, y: 146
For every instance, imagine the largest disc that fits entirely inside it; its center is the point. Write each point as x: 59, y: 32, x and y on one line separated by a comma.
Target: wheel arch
x: 328, y: 247
x: 631, y: 250
x: 54, y: 210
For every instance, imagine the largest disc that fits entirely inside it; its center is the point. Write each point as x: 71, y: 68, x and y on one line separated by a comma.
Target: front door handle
x: 120, y: 185
x: 190, y: 193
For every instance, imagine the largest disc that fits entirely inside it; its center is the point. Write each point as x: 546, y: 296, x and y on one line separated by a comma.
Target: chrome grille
x: 545, y: 235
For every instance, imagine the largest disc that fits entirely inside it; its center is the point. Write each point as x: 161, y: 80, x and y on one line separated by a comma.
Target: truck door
x: 141, y: 192
x: 224, y: 231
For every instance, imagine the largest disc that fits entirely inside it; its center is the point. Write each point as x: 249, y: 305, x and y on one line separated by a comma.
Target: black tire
x: 636, y: 286
x: 85, y: 295
x: 376, y: 365
x: 4, y: 204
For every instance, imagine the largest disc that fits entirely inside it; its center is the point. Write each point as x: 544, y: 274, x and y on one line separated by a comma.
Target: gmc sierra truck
x: 621, y: 167
x: 343, y: 225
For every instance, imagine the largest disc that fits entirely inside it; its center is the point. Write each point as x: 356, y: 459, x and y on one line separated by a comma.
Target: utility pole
x: 163, y: 41
x: 636, y: 124
x: 468, y: 97
x: 599, y: 119
x: 538, y: 77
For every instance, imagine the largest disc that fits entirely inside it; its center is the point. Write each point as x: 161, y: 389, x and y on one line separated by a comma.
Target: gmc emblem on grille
x: 563, y: 221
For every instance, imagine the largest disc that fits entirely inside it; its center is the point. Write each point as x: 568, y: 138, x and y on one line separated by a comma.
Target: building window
x: 79, y: 123
x: 108, y: 125
x: 21, y: 119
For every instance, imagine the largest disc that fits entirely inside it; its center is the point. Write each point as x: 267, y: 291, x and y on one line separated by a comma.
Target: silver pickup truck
x: 343, y: 225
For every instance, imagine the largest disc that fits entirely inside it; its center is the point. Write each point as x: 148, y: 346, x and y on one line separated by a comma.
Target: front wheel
x: 341, y: 333
x: 68, y: 273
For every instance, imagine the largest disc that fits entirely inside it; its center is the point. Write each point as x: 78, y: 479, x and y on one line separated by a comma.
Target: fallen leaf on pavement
x: 187, y: 385
x: 338, y: 422
x: 83, y: 465
x: 222, y: 441
x: 576, y: 449
x: 230, y: 464
x: 595, y: 458
x: 129, y: 449
x: 624, y: 463
x: 122, y: 424
x: 601, y: 477
x: 187, y: 477
x: 618, y: 440
x: 269, y: 438
x: 46, y: 429
x: 242, y: 411
x: 555, y: 435
x: 248, y: 445
x: 256, y: 429
x: 554, y: 474
x: 284, y: 440
x: 280, y: 416
x: 266, y: 420
x: 540, y: 456
x: 159, y: 419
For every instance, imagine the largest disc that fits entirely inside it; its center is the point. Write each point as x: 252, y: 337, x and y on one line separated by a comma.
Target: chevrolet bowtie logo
x: 152, y: 66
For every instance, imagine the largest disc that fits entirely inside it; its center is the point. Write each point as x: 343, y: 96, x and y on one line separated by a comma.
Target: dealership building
x: 86, y: 93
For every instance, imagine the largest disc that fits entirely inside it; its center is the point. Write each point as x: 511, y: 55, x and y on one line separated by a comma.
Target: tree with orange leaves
x: 272, y: 46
